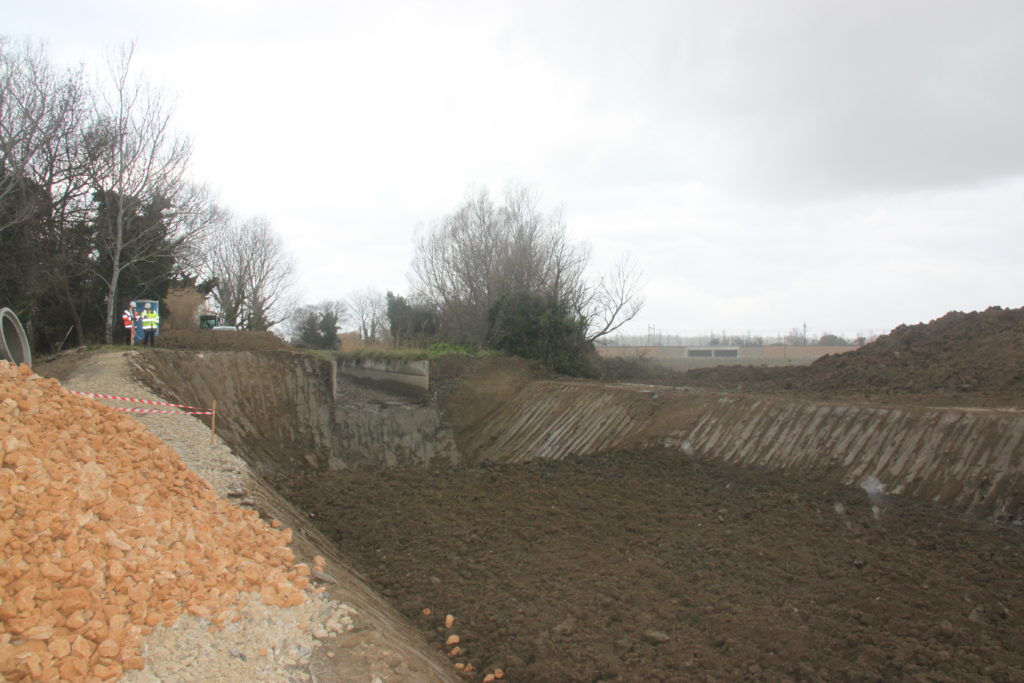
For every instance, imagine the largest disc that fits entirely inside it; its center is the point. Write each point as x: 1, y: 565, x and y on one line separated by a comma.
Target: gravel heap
x: 106, y: 537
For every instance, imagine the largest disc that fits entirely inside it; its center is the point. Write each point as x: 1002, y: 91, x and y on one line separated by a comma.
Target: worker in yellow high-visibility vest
x: 150, y: 323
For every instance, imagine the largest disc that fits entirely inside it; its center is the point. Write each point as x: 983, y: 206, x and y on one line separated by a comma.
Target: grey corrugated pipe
x: 13, y: 341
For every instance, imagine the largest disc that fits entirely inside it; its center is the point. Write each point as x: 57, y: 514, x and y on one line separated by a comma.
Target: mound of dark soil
x: 221, y: 340
x: 648, y: 566
x: 967, y: 359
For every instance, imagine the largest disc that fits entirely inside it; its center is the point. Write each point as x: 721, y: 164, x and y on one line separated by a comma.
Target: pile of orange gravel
x: 105, y: 534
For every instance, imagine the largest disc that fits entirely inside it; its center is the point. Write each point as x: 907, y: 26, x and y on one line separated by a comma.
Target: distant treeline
x: 794, y: 337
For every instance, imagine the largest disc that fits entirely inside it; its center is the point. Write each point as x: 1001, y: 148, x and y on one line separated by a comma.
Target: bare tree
x: 138, y: 170
x: 473, y: 257
x: 369, y: 309
x: 454, y: 264
x: 198, y: 217
x: 43, y: 187
x: 613, y: 301
x: 253, y: 273
x: 39, y: 112
x: 480, y: 253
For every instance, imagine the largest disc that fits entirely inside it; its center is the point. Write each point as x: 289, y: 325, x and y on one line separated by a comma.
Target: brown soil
x: 645, y: 565
x: 961, y: 359
x: 220, y: 340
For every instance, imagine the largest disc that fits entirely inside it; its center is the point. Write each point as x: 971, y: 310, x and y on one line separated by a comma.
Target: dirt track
x: 648, y: 566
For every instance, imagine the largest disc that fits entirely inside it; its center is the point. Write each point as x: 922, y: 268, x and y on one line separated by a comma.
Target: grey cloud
x: 808, y: 97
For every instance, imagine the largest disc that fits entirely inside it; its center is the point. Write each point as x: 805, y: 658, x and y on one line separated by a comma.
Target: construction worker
x: 128, y: 318
x: 150, y: 323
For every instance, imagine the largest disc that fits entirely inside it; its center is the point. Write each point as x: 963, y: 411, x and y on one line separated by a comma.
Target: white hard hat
x: 149, y: 305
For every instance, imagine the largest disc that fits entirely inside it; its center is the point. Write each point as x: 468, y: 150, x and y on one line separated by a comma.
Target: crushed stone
x: 267, y: 643
x: 116, y: 554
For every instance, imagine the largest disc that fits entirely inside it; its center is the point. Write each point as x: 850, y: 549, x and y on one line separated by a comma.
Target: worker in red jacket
x: 128, y: 318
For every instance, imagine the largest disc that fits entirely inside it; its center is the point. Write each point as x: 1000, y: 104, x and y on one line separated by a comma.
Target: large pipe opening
x: 13, y: 340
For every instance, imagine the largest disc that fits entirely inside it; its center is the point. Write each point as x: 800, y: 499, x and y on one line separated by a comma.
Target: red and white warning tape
x: 134, y: 400
x: 189, y: 410
x: 164, y: 412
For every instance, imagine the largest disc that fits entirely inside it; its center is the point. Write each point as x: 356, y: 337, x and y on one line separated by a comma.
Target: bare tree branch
x: 369, y: 310
x: 616, y: 300
x: 138, y: 164
x: 41, y: 112
x: 254, y: 276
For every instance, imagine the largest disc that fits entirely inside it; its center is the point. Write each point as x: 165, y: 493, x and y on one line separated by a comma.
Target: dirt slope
x: 221, y: 340
x: 647, y: 565
x: 963, y: 359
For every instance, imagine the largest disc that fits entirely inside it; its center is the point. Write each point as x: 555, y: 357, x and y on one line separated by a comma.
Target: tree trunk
x: 108, y: 324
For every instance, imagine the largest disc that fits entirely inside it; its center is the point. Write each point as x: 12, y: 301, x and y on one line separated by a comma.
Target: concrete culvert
x: 13, y: 340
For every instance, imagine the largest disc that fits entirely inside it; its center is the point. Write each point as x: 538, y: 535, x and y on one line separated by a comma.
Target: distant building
x: 690, y: 357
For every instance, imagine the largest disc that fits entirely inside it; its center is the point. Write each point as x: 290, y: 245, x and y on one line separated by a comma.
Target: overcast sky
x: 848, y: 165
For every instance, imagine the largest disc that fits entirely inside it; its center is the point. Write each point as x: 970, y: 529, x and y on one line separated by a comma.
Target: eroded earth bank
x: 629, y: 553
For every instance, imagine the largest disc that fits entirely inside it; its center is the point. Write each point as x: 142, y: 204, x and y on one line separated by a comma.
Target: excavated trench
x: 581, y: 531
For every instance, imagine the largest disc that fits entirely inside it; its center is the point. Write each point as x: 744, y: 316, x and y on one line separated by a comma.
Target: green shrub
x: 433, y: 351
x: 540, y: 328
